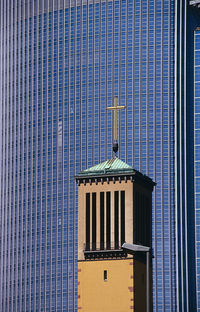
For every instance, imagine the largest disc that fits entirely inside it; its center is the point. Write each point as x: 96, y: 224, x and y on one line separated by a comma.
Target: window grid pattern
x: 60, y: 68
x: 197, y: 157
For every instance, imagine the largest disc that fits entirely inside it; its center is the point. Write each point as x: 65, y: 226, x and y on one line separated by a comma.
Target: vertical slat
x: 120, y: 220
x: 108, y: 220
x: 98, y: 223
x: 105, y: 221
x: 102, y: 222
x: 112, y: 214
x: 1, y: 152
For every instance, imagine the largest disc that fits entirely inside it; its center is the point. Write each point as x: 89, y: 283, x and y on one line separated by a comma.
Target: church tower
x: 114, y: 206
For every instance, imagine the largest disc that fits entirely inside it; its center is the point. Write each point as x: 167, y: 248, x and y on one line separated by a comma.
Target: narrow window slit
x: 108, y: 221
x: 116, y: 219
x: 94, y: 213
x: 105, y: 274
x: 122, y: 217
x: 102, y: 220
x: 87, y: 247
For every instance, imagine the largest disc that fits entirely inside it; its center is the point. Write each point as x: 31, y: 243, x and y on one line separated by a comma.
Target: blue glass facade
x: 187, y: 19
x: 62, y: 63
x: 197, y: 157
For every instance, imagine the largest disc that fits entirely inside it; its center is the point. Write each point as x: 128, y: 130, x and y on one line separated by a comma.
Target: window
x: 122, y: 217
x: 87, y: 221
x: 116, y: 207
x: 94, y: 221
x: 105, y: 275
x: 108, y: 244
x: 102, y: 220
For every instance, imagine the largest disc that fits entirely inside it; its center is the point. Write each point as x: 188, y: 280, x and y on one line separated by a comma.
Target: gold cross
x: 115, y: 108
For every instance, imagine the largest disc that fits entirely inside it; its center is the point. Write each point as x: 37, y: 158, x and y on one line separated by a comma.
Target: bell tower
x: 114, y: 206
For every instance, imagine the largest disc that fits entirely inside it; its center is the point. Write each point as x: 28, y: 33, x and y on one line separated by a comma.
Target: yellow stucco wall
x: 114, y: 295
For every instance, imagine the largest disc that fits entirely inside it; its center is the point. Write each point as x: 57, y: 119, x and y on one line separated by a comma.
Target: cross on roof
x: 115, y: 108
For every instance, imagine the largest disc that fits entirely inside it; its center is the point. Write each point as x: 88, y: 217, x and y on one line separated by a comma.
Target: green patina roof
x: 108, y: 166
x: 111, y: 168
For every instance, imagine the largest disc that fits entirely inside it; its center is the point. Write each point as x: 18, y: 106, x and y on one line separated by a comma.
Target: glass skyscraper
x: 197, y: 152
x: 61, y: 64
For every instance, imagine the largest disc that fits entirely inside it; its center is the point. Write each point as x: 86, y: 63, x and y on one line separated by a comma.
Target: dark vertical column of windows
x: 3, y: 158
x: 140, y: 210
x: 26, y: 136
x: 109, y: 70
x: 87, y: 223
x: 21, y: 173
x: 3, y: 251
x: 140, y: 227
x: 94, y: 71
x: 18, y: 187
x: 101, y: 125
x: 7, y: 125
x: 130, y: 82
x: 137, y: 226
x: 197, y: 156
x: 50, y: 149
x: 94, y: 220
x: 145, y: 223
x: 1, y: 151
x: 13, y: 116
x: 102, y: 220
x: 5, y: 165
x: 39, y: 157
x: 60, y: 158
x: 142, y: 220
x: 77, y: 127
x: 108, y: 221
x: 83, y: 78
x: 74, y: 158
x: 66, y: 156
x: 122, y: 217
x: 31, y: 160
x: 116, y: 217
x: 45, y: 265
x: 72, y: 150
x: 105, y: 87
x: 79, y: 69
x: 103, y: 79
x: 148, y: 222
x: 36, y: 155
x: 135, y: 217
x: 123, y: 66
x: 9, y: 163
x: 90, y: 82
x: 54, y: 154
